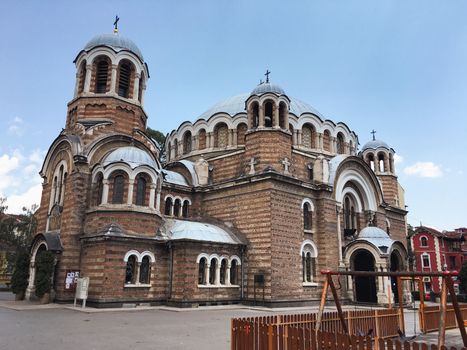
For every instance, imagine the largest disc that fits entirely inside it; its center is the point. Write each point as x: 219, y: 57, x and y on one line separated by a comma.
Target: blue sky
x: 396, y: 66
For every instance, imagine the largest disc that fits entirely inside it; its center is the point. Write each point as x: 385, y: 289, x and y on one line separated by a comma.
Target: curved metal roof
x: 115, y: 41
x: 130, y: 155
x: 267, y: 87
x: 377, y: 237
x: 236, y: 104
x: 174, y: 178
x: 375, y: 144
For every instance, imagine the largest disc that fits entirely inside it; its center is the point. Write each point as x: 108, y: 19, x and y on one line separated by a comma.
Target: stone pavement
x: 25, y: 325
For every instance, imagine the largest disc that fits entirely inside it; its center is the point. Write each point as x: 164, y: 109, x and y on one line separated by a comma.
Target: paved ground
x: 30, y: 326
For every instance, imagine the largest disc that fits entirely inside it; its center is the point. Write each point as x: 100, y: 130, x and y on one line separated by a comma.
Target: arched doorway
x: 38, y: 247
x: 396, y: 265
x: 365, y: 287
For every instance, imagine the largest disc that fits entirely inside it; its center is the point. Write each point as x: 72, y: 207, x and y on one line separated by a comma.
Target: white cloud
x: 424, y: 169
x: 16, y: 126
x: 398, y: 159
x: 26, y: 199
x: 7, y: 165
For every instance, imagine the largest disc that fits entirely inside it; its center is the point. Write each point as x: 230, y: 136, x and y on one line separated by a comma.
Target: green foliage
x: 19, y: 280
x: 159, y: 138
x: 44, y: 271
x: 463, y: 278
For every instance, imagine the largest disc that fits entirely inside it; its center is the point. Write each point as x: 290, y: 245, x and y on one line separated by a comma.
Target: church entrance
x: 395, y: 266
x: 365, y: 287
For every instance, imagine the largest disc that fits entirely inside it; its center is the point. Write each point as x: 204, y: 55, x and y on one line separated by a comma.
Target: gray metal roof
x: 377, y: 237
x: 130, y: 155
x: 267, y: 87
x: 197, y: 231
x: 236, y: 104
x: 115, y: 41
x: 375, y: 144
x: 174, y: 178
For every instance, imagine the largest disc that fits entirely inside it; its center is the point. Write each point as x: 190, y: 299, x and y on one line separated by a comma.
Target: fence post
x: 377, y: 330
x: 442, y: 315
x: 270, y: 336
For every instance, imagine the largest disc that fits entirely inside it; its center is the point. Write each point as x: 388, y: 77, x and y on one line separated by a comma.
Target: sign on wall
x: 71, y: 279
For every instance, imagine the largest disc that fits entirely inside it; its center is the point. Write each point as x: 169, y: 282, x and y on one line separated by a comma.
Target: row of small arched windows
x: 101, y: 77
x: 215, y: 273
x: 382, y: 162
x: 138, y: 268
x: 176, y: 207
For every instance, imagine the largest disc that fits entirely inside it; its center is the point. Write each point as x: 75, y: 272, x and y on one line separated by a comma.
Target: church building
x: 256, y: 197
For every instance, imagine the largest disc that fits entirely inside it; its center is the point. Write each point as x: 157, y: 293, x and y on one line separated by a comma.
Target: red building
x: 438, y: 251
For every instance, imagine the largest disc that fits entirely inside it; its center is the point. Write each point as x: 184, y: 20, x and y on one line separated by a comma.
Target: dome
x: 130, y: 155
x: 375, y: 144
x: 377, y: 237
x: 372, y: 232
x: 114, y: 41
x: 268, y: 87
x: 236, y: 104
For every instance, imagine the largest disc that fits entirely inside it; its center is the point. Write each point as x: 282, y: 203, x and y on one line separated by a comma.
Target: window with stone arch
x: 327, y: 141
x: 221, y: 135
x: 58, y: 184
x: 145, y: 270
x: 141, y: 189
x: 99, y: 186
x: 125, y: 78
x: 241, y: 132
x: 371, y: 161
x: 177, y: 207
x: 307, y: 208
x: 212, y: 271
x: 82, y: 77
x: 268, y: 113
x: 130, y: 272
x: 202, y: 139
x: 233, y: 272
x: 381, y: 162
x: 186, y: 204
x: 308, y: 136
x: 350, y: 220
x: 187, y: 142
x: 223, y: 271
x: 254, y: 115
x: 202, y: 271
x: 118, y: 187
x: 423, y: 241
x: 101, y: 78
x: 340, y: 143
x: 309, y: 253
x: 175, y: 148
x: 138, y: 268
x: 168, y: 206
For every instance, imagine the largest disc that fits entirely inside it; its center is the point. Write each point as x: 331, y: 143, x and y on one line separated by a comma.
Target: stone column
x: 229, y: 137
x: 339, y: 234
x: 143, y: 89
x: 210, y: 139
x: 113, y: 79
x: 299, y: 138
x: 227, y: 275
x: 193, y: 143
x: 105, y: 191
x: 136, y: 87
x: 261, y: 117
x: 294, y: 137
x: 131, y: 184
x: 218, y: 274
x: 235, y: 138
x: 320, y: 142
x: 275, y: 113
x: 333, y: 145
x: 383, y: 283
x: 158, y: 201
x: 286, y: 119
x: 152, y: 193
x: 207, y: 267
x: 87, y: 79
x: 32, y: 276
x: 77, y: 83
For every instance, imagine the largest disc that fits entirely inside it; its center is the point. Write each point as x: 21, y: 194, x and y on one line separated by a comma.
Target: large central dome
x: 236, y: 104
x: 115, y: 41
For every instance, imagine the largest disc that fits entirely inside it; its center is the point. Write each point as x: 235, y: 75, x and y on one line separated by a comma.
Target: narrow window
x: 177, y: 207
x: 424, y: 242
x: 168, y: 206
x: 130, y: 276
x: 268, y: 110
x: 145, y: 270
x: 202, y: 271
x: 60, y: 184
x: 233, y: 272
x: 340, y: 143
x: 140, y: 191
x: 185, y: 208
x: 140, y: 88
x: 99, y: 189
x: 124, y: 81
x: 82, y: 77
x: 101, y: 77
x: 187, y: 142
x: 308, y: 266
x: 307, y: 216
x: 117, y: 196
x: 223, y: 271
x: 425, y: 260
x: 212, y: 271
x: 381, y: 163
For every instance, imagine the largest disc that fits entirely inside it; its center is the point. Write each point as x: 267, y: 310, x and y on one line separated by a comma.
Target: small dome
x: 268, y: 87
x: 114, y: 41
x: 130, y: 155
x: 372, y: 232
x: 375, y: 144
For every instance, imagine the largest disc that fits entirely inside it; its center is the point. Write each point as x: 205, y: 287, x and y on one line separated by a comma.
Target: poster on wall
x: 71, y: 279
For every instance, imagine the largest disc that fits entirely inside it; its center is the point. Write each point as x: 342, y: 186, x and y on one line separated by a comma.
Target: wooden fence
x: 429, y: 317
x: 382, y: 323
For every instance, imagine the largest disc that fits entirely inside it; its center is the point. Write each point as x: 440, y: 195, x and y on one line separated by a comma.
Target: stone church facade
x: 256, y: 196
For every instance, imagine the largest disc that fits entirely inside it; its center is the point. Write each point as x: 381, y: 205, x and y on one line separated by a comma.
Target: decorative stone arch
x: 240, y: 118
x: 187, y: 138
x: 200, y: 256
x: 154, y: 175
x: 327, y: 140
x: 310, y: 243
x: 186, y: 126
x: 308, y: 118
x: 350, y: 191
x: 130, y: 253
x: 120, y: 166
x: 218, y: 119
x: 124, y: 55
x: 235, y: 258
x: 367, y: 193
x: 221, y: 135
x: 308, y: 254
x: 151, y: 256
x: 198, y: 125
x: 310, y: 202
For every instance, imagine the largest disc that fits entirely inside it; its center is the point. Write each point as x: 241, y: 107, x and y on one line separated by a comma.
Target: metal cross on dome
x: 373, y: 132
x: 267, y: 75
x: 116, y: 23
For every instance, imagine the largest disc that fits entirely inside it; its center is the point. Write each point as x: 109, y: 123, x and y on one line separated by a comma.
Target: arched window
x: 145, y: 270
x: 327, y: 140
x: 102, y: 71
x: 99, y: 189
x: 212, y: 271
x: 168, y: 206
x: 307, y: 216
x: 141, y: 88
x: 202, y: 139
x: 241, y: 132
x: 82, y: 77
x: 175, y: 148
x: 309, y: 255
x: 349, y: 215
x: 223, y: 271
x: 124, y: 79
x: 371, y: 161
x: 282, y: 115
x: 118, y: 189
x: 130, y: 275
x: 381, y: 162
x: 233, y: 272
x: 185, y: 208
x: 187, y: 142
x: 255, y: 115
x: 308, y: 136
x: 423, y: 241
x: 202, y: 271
x: 60, y: 184
x: 177, y: 207
x: 340, y: 143
x: 169, y: 151
x: 221, y: 135
x: 268, y: 114
x: 140, y: 190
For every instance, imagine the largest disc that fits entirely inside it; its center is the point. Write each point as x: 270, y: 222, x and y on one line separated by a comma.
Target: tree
x: 463, y: 278
x: 159, y: 138
x: 45, y: 261
x: 19, y: 280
